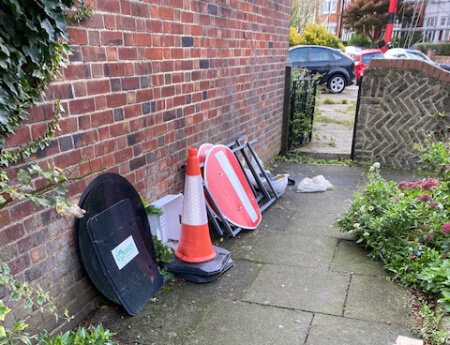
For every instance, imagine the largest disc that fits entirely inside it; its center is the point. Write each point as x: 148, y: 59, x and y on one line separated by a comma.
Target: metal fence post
x: 286, y: 112
x: 358, y: 104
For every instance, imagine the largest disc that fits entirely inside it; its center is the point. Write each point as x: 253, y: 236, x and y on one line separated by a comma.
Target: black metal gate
x: 299, y: 105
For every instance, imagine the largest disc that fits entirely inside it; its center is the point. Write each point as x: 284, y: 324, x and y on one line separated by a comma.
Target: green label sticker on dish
x: 125, y: 252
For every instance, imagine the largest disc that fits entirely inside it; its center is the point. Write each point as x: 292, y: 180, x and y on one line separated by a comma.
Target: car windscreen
x: 418, y: 56
x: 367, y: 57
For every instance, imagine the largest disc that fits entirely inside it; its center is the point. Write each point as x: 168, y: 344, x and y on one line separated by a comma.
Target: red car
x: 362, y: 60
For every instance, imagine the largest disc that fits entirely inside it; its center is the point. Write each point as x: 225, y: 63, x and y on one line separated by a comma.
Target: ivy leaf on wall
x: 47, y: 26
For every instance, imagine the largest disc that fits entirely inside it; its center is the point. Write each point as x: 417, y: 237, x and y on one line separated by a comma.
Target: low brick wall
x: 402, y: 101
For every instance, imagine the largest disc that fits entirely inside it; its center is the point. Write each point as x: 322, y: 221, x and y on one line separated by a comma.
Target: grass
x: 325, y: 119
x: 332, y: 101
x: 294, y: 156
x: 350, y: 109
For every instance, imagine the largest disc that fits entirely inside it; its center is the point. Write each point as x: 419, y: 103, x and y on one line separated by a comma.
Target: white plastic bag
x: 279, y: 182
x: 315, y: 184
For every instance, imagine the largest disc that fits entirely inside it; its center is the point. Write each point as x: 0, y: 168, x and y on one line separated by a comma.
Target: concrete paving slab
x: 294, y: 251
x: 377, y: 299
x: 299, y: 288
x: 276, y: 218
x: 254, y: 298
x: 166, y: 321
x: 352, y: 258
x: 303, y: 224
x: 231, y: 285
x: 240, y: 245
x: 328, y: 170
x: 237, y: 323
x: 178, y: 308
x: 328, y: 330
x: 332, y: 201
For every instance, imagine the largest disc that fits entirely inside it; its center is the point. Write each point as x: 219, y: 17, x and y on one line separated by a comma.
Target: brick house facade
x: 146, y: 80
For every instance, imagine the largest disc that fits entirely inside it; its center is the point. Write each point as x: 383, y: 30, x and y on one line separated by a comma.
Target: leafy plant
x: 430, y: 329
x: 359, y: 40
x: 316, y: 34
x: 163, y: 254
x: 368, y: 17
x: 407, y: 224
x: 304, y: 94
x: 151, y: 209
x: 326, y: 119
x: 52, y: 193
x: 297, y: 157
x: 33, y: 48
x: 302, y: 12
x: 81, y: 336
x: 329, y: 101
x: 294, y: 37
x: 440, y: 49
x: 83, y: 12
x: 31, y: 297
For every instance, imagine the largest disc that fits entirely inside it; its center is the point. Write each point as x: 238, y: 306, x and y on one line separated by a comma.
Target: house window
x: 443, y: 21
x: 329, y: 6
x: 431, y: 21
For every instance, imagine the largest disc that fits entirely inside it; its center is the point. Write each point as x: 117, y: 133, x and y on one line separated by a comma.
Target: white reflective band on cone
x: 194, y: 207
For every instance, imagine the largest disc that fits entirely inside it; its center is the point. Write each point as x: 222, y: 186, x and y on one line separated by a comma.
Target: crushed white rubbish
x: 401, y: 340
x: 315, y: 184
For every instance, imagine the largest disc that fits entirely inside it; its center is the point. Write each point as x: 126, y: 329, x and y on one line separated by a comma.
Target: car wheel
x: 336, y: 84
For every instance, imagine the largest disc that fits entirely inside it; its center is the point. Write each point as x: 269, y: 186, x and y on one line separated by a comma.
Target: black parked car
x: 336, y: 67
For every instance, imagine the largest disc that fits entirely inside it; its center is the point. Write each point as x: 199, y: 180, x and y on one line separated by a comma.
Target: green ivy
x: 33, y: 48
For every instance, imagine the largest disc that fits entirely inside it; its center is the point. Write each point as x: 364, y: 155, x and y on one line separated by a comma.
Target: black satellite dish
x: 115, y: 227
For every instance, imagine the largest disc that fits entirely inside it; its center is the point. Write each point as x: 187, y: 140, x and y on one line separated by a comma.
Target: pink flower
x: 430, y: 235
x: 425, y: 197
x: 404, y: 185
x: 446, y: 228
x: 430, y: 183
x: 433, y: 204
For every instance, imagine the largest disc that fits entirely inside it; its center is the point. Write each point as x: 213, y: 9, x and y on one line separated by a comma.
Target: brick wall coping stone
x: 416, y: 65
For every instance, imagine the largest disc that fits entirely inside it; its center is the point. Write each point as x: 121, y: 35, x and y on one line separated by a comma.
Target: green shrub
x: 440, y: 49
x: 316, y: 34
x: 81, y: 336
x: 407, y: 226
x: 294, y: 37
x: 359, y: 40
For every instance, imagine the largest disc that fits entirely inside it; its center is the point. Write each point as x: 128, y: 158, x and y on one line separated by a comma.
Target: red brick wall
x: 146, y: 80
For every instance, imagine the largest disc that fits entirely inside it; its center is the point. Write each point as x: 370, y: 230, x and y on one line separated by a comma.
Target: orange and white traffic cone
x: 195, y: 243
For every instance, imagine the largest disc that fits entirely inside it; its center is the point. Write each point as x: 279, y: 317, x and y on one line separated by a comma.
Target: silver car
x: 400, y: 53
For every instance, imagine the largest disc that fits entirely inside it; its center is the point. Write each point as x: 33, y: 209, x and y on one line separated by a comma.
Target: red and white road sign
x: 229, y: 188
x: 203, y: 152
